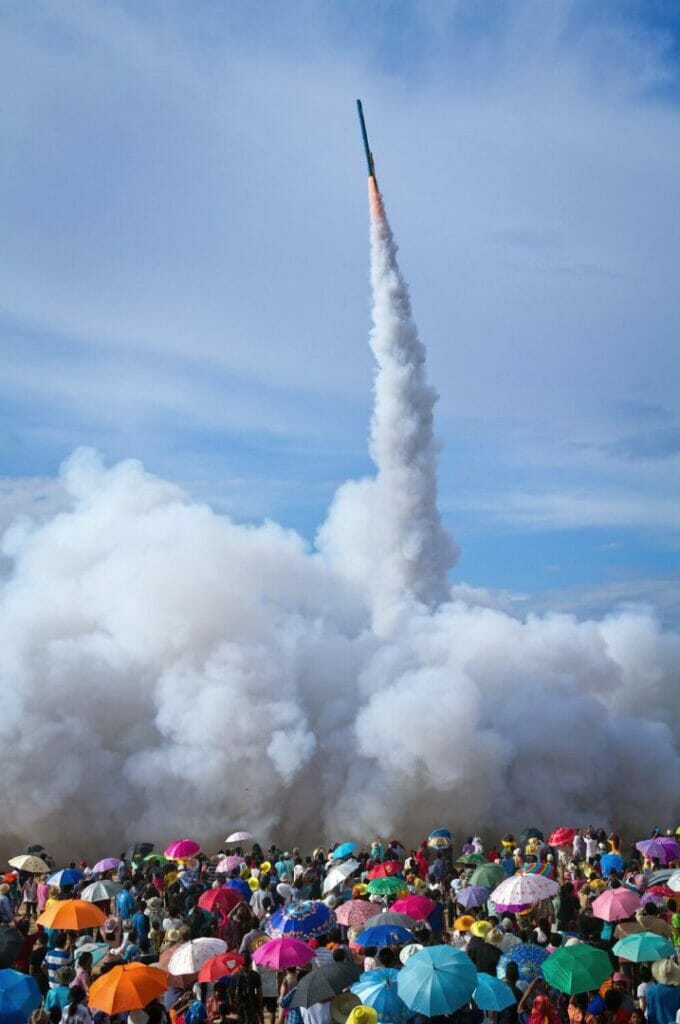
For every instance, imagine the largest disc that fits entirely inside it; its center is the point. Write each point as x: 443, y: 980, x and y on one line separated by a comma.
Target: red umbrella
x: 220, y: 966
x: 387, y: 869
x: 417, y: 907
x: 219, y: 899
x: 562, y: 836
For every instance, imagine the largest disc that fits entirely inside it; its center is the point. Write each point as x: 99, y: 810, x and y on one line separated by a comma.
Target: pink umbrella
x: 615, y: 904
x: 108, y: 864
x: 228, y: 864
x: 183, y: 848
x: 417, y: 907
x: 283, y: 952
x: 354, y: 913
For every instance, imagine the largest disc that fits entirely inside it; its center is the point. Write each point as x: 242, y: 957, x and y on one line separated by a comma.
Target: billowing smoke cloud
x: 166, y: 671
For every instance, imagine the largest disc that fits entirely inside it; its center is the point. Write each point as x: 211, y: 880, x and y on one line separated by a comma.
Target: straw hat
x: 342, y: 1005
x: 480, y: 929
x: 494, y: 936
x: 666, y: 972
x: 362, y: 1015
x: 464, y: 923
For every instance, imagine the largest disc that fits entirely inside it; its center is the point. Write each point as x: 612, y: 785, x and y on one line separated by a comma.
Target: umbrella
x: 160, y: 857
x: 304, y: 920
x: 417, y: 907
x: 672, y: 848
x: 443, y: 833
x: 562, y: 836
x: 108, y: 864
x: 674, y: 881
x: 473, y: 896
x: 238, y: 837
x: 471, y: 860
x: 278, y: 954
x: 386, y: 886
x: 99, y: 892
x: 520, y: 890
x: 492, y: 993
x: 643, y: 947
x: 29, y: 863
x: 219, y: 899
x: 487, y: 875
x: 189, y: 957
x: 19, y: 997
x: 343, y: 850
x: 72, y: 915
x: 240, y: 886
x: 385, y: 870
x: 339, y: 874
x: 529, y: 959
x: 68, y: 876
x: 11, y: 942
x: 378, y: 989
x: 611, y: 862
x: 390, y: 917
x: 355, y: 913
x: 437, y: 980
x: 615, y: 904
x: 228, y: 864
x: 439, y: 843
x: 181, y: 849
x: 127, y: 987
x: 578, y: 968
x: 324, y: 982
x: 384, y: 935
x: 98, y: 950
x: 220, y: 966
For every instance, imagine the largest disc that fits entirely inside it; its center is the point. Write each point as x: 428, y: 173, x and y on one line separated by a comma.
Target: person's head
x: 512, y: 973
x: 620, y: 981
x: 85, y: 961
x: 637, y: 1016
x: 127, y: 886
x: 387, y: 957
x: 644, y: 972
x: 651, y: 909
x: 672, y: 906
x: 580, y: 1000
x: 613, y: 999
x: 61, y: 940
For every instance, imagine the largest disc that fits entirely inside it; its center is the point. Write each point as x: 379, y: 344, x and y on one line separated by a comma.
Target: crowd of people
x: 443, y: 895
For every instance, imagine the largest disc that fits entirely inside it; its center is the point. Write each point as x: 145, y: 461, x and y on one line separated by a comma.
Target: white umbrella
x: 100, y: 891
x: 672, y: 883
x: 238, y: 837
x: 190, y: 956
x: 337, y: 875
x: 30, y: 863
x: 522, y: 890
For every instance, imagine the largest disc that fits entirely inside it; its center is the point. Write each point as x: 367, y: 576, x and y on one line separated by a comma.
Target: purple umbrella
x: 473, y: 896
x: 663, y: 850
x: 108, y: 864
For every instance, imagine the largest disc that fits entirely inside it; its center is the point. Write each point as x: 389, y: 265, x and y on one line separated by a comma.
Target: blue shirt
x: 125, y: 904
x: 140, y: 923
x: 663, y: 1002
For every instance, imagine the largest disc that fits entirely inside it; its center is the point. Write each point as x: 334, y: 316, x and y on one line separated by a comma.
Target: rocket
x: 364, y: 136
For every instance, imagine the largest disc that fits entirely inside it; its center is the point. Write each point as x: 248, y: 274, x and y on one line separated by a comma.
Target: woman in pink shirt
x: 43, y: 892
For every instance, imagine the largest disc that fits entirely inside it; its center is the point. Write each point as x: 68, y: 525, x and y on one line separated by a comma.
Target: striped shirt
x: 55, y: 959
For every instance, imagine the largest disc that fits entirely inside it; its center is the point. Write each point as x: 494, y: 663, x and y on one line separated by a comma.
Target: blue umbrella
x: 384, y: 935
x: 379, y: 989
x: 529, y: 959
x: 437, y: 980
x: 492, y: 993
x: 611, y: 862
x: 304, y: 920
x: 473, y: 896
x: 19, y: 997
x: 642, y: 947
x: 240, y: 886
x: 445, y: 833
x: 67, y: 876
x: 343, y: 850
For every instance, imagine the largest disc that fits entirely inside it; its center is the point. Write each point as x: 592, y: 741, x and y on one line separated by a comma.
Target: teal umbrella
x: 437, y: 980
x: 579, y: 968
x: 492, y: 993
x: 643, y: 947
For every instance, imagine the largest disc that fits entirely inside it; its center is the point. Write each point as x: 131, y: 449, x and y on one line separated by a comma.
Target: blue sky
x: 184, y: 268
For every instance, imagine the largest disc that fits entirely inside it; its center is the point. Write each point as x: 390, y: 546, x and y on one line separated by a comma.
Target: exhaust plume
x: 166, y: 671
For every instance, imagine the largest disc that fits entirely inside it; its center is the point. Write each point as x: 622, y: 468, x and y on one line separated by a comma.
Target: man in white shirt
x: 317, y: 1013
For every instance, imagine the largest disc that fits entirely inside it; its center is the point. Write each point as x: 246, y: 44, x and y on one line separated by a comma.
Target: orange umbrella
x: 128, y: 987
x: 72, y: 915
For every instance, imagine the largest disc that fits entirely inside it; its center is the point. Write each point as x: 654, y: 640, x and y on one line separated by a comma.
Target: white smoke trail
x: 389, y: 537
x: 165, y: 671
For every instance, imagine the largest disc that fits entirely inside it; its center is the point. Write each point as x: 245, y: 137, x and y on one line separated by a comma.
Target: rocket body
x: 364, y: 135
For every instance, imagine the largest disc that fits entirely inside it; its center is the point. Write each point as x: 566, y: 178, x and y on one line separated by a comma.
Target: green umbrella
x: 488, y: 875
x: 578, y: 968
x: 386, y: 886
x: 642, y: 947
x: 160, y: 857
x: 470, y: 859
